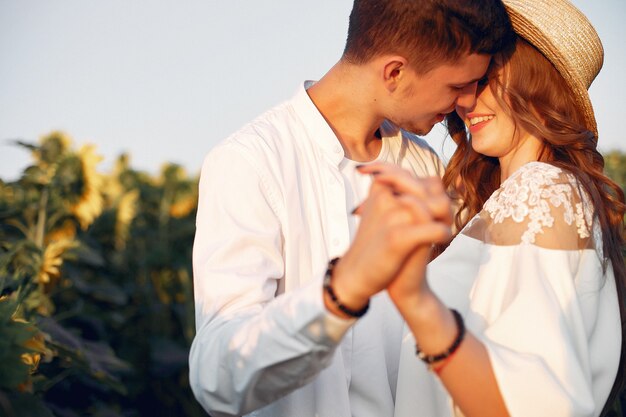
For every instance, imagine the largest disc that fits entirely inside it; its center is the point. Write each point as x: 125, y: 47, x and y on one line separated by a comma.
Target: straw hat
x: 565, y: 36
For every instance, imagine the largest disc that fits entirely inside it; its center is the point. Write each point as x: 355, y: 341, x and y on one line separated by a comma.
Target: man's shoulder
x: 411, y: 151
x: 416, y: 141
x: 269, y: 132
x: 400, y: 138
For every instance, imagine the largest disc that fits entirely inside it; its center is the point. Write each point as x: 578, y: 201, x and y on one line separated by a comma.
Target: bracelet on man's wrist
x: 432, y: 359
x: 331, y: 293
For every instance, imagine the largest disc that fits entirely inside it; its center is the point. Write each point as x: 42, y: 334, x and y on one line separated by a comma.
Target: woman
x: 536, y: 274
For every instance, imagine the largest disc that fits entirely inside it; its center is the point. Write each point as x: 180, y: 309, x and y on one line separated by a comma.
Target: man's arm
x: 251, y: 346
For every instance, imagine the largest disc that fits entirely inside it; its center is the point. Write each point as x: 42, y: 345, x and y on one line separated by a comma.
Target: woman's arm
x: 467, y: 374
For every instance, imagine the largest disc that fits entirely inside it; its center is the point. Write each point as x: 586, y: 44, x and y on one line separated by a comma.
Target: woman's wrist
x: 417, y: 306
x: 432, y: 323
x: 436, y: 362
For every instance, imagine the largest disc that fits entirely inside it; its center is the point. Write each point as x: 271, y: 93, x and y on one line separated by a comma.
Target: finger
x: 434, y: 185
x: 399, y: 242
x: 379, y: 200
x: 376, y: 168
x: 437, y: 208
x: 440, y: 208
x: 418, y: 208
x: 424, y: 208
x: 401, y: 179
x: 384, y: 170
x: 440, y: 203
x: 426, y: 234
x: 379, y: 168
x: 404, y: 183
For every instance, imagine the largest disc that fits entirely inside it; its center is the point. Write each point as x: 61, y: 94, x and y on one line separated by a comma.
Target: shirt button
x: 337, y: 149
x: 335, y: 242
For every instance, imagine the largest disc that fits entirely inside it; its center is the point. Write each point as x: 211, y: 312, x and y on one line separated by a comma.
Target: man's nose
x: 466, y: 100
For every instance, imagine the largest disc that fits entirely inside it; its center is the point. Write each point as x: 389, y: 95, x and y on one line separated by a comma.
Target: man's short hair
x: 426, y: 32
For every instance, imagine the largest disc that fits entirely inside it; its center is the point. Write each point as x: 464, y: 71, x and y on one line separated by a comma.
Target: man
x: 275, y: 206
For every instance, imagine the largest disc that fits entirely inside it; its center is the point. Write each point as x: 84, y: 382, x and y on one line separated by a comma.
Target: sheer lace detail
x: 539, y: 204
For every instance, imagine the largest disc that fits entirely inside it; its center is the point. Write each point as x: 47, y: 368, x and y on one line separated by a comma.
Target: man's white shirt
x: 275, y: 205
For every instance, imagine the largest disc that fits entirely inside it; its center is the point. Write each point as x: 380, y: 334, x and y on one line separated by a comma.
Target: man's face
x: 423, y: 100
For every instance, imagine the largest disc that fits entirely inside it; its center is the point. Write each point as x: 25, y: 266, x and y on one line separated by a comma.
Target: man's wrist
x: 340, y: 296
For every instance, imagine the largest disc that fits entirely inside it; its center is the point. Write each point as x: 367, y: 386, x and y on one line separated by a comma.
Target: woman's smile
x: 478, y: 121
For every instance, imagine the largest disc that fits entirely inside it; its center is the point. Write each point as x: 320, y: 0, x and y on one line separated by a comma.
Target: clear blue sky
x: 165, y: 80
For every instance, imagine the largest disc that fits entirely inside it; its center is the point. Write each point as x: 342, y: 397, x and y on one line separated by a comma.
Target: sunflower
x: 52, y: 147
x: 53, y: 259
x: 37, y: 346
x: 89, y: 204
x: 67, y: 230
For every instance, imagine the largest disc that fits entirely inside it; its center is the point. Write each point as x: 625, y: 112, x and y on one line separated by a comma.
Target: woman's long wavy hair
x: 533, y: 93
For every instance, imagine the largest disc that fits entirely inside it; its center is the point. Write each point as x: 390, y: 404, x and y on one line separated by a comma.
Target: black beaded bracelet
x: 430, y: 359
x: 329, y: 289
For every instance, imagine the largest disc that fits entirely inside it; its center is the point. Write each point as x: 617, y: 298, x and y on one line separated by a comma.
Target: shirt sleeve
x: 537, y: 294
x: 251, y: 346
x: 526, y: 310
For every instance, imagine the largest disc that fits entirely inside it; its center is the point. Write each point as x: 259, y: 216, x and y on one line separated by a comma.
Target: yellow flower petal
x: 53, y: 259
x: 90, y: 202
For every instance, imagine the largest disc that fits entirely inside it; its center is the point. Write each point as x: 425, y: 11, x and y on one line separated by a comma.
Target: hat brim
x: 540, y: 30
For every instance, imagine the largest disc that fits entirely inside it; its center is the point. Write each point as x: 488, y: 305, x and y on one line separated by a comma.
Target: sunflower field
x: 96, y: 297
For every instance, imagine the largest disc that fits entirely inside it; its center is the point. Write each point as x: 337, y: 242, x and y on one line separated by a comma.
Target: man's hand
x: 400, y: 219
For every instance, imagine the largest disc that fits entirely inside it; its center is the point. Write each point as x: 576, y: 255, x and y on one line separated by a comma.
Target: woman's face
x: 493, y: 131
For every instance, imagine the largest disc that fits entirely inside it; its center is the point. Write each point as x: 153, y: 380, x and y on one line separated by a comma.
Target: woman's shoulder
x: 541, y: 174
x: 536, y: 184
x: 537, y: 204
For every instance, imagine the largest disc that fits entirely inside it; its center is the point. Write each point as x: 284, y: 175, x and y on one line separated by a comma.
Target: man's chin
x: 419, y: 130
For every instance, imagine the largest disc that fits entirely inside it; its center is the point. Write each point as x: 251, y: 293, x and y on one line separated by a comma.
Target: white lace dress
x: 526, y: 273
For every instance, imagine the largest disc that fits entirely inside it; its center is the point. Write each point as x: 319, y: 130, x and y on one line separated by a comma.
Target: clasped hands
x: 400, y: 220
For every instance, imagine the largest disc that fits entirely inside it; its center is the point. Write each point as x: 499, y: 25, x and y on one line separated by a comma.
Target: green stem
x: 41, y: 218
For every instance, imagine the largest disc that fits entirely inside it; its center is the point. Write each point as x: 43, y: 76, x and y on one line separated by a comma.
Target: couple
x: 313, y: 233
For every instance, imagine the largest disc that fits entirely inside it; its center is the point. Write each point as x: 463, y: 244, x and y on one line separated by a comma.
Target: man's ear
x: 393, y: 71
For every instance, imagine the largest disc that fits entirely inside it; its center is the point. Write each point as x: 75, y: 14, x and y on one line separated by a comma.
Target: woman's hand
x: 400, y: 220
x: 427, y: 219
x: 409, y: 289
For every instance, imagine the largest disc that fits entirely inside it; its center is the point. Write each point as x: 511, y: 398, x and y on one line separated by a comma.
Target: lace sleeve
x: 539, y: 204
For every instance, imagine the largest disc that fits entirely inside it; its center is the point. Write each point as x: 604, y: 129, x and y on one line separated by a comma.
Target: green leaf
x: 68, y: 182
x: 34, y: 175
x: 13, y: 371
x: 52, y: 148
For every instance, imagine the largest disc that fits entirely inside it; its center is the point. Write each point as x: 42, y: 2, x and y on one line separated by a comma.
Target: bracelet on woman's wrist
x: 430, y: 360
x: 331, y: 293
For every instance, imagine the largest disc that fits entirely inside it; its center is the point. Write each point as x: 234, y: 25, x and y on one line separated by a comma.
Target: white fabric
x: 274, y: 207
x: 526, y: 273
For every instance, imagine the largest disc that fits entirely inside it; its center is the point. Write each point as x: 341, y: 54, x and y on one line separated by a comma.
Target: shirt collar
x: 315, y: 124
